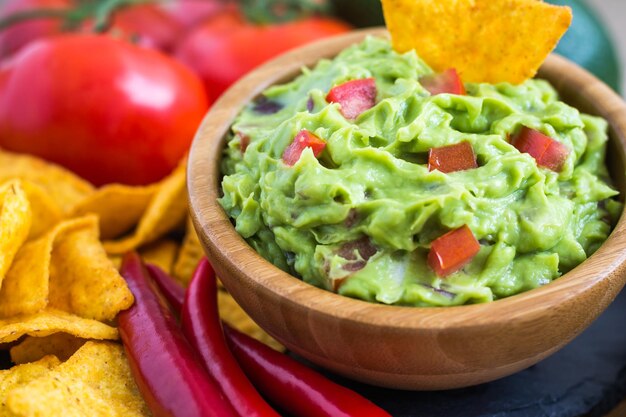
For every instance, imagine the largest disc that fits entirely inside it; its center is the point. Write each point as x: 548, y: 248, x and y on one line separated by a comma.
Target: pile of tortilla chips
x: 484, y: 40
x: 61, y: 242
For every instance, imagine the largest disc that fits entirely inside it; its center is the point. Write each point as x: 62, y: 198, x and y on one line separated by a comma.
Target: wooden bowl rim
x: 215, y: 229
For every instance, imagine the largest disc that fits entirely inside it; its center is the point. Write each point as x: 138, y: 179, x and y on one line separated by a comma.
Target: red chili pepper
x: 313, y: 395
x: 201, y: 326
x: 173, y: 292
x: 163, y: 364
x: 294, y: 387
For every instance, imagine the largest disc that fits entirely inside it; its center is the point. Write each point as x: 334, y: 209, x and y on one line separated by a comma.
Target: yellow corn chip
x: 15, y: 221
x: 484, y: 40
x: 116, y: 260
x: 26, y: 286
x: 190, y: 254
x: 46, y: 212
x: 166, y: 211
x: 119, y: 207
x: 234, y: 315
x: 83, y: 280
x: 96, y: 382
x: 23, y: 374
x: 31, y: 349
x: 64, y: 187
x: 161, y: 253
x: 51, y: 321
x: 68, y: 269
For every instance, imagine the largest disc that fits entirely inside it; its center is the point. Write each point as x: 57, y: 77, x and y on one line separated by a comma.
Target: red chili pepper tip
x: 170, y: 380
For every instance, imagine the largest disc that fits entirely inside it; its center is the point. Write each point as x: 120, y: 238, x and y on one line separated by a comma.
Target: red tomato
x: 189, y: 13
x: 227, y: 47
x: 451, y: 158
x: 450, y: 252
x: 446, y: 82
x: 106, y: 109
x: 548, y: 152
x: 304, y: 139
x: 354, y: 96
x: 148, y: 26
x: 20, y: 34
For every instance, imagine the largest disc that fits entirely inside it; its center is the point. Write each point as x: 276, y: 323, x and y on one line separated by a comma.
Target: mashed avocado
x: 360, y: 217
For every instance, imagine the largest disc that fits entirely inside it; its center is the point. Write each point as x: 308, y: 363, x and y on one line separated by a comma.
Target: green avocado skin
x: 586, y: 42
x: 365, y: 212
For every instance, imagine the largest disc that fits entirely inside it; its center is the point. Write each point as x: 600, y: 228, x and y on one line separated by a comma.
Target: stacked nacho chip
x: 484, y: 40
x: 94, y: 381
x: 61, y: 241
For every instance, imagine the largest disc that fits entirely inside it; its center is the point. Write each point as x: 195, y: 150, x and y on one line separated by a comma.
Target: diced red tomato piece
x: 548, y: 152
x: 304, y: 139
x: 451, y: 158
x: 555, y: 156
x: 446, y: 82
x: 354, y: 96
x: 244, y: 141
x: 452, y: 251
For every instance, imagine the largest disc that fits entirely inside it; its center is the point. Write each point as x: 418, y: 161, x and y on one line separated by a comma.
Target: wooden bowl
x: 405, y: 347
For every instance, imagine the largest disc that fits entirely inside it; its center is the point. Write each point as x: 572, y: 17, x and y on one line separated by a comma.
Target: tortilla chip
x: 166, y: 212
x: 95, y: 381
x: 119, y: 207
x: 23, y: 374
x: 116, y: 260
x: 64, y: 187
x: 161, y: 253
x: 83, y: 280
x: 15, y: 221
x: 190, y: 254
x: 46, y: 212
x: 484, y: 40
x: 234, y: 315
x: 31, y: 349
x: 26, y: 285
x: 68, y: 269
x: 51, y: 321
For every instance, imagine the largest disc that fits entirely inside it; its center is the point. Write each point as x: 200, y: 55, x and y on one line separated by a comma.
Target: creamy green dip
x: 364, y: 213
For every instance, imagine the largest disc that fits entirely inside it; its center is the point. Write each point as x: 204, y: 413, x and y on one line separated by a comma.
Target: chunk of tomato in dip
x: 548, y: 152
x: 452, y: 251
x: 304, y: 139
x: 452, y: 158
x: 447, y: 82
x: 354, y: 97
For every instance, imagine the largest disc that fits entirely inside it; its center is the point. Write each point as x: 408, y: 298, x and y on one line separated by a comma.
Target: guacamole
x: 360, y: 217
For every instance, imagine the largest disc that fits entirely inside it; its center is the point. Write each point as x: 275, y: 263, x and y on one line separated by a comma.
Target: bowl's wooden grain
x: 404, y: 347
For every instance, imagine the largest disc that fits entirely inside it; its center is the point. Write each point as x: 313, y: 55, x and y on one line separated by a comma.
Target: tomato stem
x: 275, y: 11
x: 107, y: 9
x: 101, y: 11
x: 27, y: 15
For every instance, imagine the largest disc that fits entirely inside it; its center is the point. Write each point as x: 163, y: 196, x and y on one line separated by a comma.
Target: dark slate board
x: 586, y: 378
